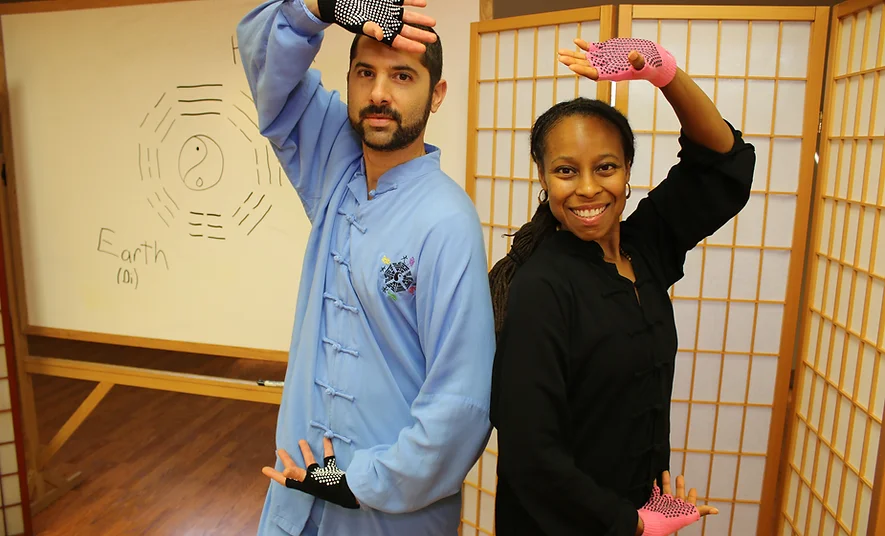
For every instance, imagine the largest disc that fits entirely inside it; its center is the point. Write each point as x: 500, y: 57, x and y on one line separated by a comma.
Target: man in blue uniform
x: 393, y: 342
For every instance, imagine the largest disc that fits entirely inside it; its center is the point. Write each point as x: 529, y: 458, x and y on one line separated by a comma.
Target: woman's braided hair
x: 527, y: 239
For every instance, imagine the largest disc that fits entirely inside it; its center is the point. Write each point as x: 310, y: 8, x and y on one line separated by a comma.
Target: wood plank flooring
x: 157, y: 463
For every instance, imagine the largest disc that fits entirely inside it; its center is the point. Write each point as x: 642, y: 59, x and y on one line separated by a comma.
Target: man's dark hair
x: 432, y: 59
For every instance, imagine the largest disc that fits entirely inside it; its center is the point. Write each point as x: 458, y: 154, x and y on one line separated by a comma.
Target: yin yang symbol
x: 200, y: 163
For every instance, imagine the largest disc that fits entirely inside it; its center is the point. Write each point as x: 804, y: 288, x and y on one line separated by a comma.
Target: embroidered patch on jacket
x: 398, y: 276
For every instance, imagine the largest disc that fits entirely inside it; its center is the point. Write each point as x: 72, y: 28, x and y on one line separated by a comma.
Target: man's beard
x: 402, y: 137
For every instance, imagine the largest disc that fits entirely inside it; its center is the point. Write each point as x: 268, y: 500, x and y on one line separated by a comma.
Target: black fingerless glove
x: 327, y: 483
x: 353, y: 14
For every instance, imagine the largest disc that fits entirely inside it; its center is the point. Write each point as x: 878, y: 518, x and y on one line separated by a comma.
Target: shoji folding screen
x: 737, y: 307
x: 833, y: 466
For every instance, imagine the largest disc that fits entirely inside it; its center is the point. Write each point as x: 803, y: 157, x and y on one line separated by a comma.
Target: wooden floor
x: 157, y: 463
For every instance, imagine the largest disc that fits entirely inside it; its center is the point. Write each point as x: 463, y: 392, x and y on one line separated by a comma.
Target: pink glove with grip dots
x: 665, y: 514
x: 611, y: 59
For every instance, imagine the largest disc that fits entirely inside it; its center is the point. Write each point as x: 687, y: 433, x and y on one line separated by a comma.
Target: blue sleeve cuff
x: 428, y: 462
x: 301, y: 19
x: 360, y: 479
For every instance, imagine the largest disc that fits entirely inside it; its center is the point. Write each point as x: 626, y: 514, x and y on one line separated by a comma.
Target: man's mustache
x: 384, y: 111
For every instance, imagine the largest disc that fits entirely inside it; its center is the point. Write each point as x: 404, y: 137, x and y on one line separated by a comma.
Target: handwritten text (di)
x: 143, y: 254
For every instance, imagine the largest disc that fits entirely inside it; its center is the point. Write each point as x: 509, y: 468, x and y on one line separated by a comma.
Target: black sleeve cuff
x: 626, y: 523
x: 327, y: 10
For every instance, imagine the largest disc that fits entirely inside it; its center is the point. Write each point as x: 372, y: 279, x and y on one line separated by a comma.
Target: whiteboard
x: 150, y: 206
x: 127, y: 230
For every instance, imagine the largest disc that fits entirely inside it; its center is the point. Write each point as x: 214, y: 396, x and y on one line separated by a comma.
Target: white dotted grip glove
x: 352, y: 15
x: 328, y: 483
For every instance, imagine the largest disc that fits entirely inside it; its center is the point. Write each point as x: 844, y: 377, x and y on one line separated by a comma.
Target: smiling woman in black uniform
x: 586, y: 334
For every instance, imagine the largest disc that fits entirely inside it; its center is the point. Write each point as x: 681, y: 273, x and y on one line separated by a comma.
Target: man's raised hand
x: 385, y: 20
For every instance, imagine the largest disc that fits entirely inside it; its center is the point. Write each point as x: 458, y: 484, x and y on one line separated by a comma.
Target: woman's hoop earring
x: 545, y: 195
x: 629, y: 190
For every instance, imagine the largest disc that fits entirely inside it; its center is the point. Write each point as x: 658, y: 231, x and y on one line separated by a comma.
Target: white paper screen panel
x: 11, y: 485
x: 13, y: 479
x: 730, y: 306
x: 517, y: 79
x: 840, y: 385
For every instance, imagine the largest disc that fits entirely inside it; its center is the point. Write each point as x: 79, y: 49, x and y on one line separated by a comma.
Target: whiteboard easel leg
x: 59, y: 486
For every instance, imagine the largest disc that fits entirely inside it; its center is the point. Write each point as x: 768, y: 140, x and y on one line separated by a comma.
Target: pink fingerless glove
x: 665, y: 514
x: 610, y: 59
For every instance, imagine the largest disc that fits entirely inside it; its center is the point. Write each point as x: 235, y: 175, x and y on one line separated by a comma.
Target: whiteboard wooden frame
x: 41, y: 6
x: 15, y: 229
x: 45, y: 484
